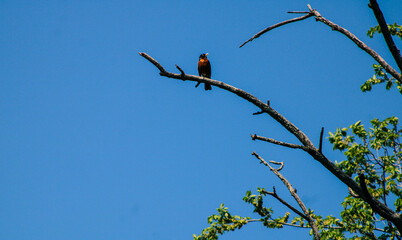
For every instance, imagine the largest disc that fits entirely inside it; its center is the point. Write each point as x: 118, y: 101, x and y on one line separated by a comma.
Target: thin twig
x: 304, y: 12
x: 270, y: 140
x: 275, y: 26
x: 277, y: 163
x: 258, y: 113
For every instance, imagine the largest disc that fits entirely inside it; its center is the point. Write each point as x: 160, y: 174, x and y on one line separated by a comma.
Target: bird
x: 204, y: 69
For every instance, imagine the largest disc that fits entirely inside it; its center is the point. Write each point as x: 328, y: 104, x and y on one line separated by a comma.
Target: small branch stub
x: 321, y: 134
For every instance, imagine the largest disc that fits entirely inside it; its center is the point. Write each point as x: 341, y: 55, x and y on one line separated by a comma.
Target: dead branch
x: 270, y: 140
x: 292, y: 191
x: 275, y: 26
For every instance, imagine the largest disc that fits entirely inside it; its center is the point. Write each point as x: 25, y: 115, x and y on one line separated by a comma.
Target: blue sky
x: 96, y: 145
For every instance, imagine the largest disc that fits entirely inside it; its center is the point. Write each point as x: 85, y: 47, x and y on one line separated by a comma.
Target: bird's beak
x: 206, y: 54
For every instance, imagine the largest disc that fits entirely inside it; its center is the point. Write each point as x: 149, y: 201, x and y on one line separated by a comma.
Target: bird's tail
x: 208, y: 87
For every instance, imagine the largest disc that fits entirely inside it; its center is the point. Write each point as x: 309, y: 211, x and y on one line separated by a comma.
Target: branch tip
x: 154, y: 62
x: 304, y: 12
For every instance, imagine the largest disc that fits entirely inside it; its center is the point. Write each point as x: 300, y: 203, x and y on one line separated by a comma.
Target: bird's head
x: 203, y: 56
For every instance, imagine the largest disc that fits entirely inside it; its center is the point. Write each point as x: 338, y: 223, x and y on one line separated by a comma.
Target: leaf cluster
x: 380, y: 75
x: 377, y: 153
x: 394, y: 30
x: 221, y: 223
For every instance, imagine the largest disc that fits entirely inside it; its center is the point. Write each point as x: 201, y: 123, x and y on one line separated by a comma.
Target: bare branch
x: 294, y: 195
x: 275, y: 26
x: 359, y: 43
x: 258, y: 113
x: 153, y: 61
x: 338, y: 28
x: 385, y: 32
x: 270, y: 140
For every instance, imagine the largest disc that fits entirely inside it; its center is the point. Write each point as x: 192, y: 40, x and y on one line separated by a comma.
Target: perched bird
x: 204, y: 69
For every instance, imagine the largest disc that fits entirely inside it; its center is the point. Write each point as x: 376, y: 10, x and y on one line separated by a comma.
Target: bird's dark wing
x: 208, y: 69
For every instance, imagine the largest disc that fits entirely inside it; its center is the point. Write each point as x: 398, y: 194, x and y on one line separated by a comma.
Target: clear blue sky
x: 96, y: 145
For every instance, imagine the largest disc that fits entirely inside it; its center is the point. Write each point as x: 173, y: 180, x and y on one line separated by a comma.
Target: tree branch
x: 345, y: 32
x: 385, y: 32
x: 308, y: 146
x: 277, y: 25
x: 359, y: 43
x: 270, y: 140
x: 154, y: 62
x: 292, y: 191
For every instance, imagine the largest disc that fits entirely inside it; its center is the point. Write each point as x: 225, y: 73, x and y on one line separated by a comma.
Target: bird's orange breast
x: 204, y: 68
